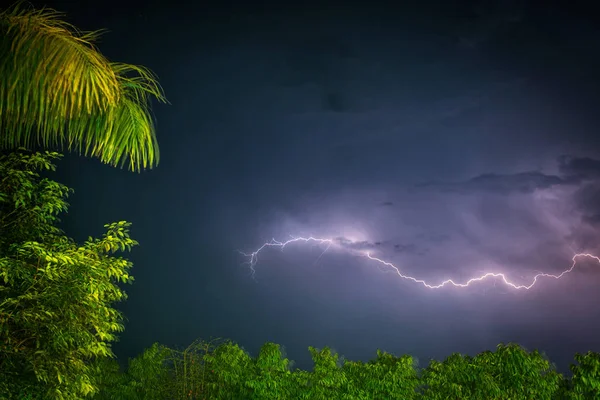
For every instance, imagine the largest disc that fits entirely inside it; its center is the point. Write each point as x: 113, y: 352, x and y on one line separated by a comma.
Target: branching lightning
x: 253, y: 260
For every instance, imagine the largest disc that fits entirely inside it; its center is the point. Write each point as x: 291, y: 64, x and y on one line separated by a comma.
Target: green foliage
x: 192, y: 378
x: 206, y: 370
x: 386, y: 377
x: 519, y: 374
x: 148, y: 376
x: 585, y: 383
x: 458, y: 377
x: 112, y: 383
x: 56, y: 297
x: 57, y: 89
x: 229, y: 366
x: 270, y: 378
x: 150, y: 373
x: 327, y: 379
x: 510, y: 372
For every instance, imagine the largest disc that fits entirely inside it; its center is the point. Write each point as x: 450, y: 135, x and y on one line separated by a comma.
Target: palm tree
x: 58, y: 90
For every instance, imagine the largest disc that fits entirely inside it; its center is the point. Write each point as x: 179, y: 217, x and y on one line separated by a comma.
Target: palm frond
x: 58, y: 90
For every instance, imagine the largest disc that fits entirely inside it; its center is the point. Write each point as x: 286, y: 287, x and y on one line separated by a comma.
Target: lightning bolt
x: 253, y: 260
x: 253, y: 257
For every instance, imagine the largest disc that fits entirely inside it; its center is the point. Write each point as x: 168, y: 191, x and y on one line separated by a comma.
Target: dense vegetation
x: 57, y: 322
x: 225, y: 371
x: 56, y: 296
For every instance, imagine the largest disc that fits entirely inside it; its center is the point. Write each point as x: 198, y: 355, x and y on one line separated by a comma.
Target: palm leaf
x: 58, y: 90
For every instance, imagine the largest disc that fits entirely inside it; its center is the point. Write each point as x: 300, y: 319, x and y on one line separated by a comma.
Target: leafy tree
x: 206, y: 371
x: 386, y: 377
x: 56, y: 297
x: 327, y: 378
x: 585, y: 383
x: 519, y: 374
x: 149, y: 376
x: 508, y: 373
x: 457, y: 377
x: 192, y: 377
x: 57, y: 89
x: 111, y: 381
x: 271, y: 376
x: 230, y: 366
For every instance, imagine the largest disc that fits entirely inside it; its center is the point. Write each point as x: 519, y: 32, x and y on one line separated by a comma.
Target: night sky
x: 451, y: 139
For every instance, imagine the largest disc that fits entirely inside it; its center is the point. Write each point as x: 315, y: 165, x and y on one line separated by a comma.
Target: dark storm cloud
x: 323, y: 68
x: 587, y: 200
x: 579, y: 168
x: 593, y: 220
x: 405, y: 248
x: 435, y: 238
x: 573, y: 171
x: 562, y: 208
x: 585, y: 172
x: 486, y: 20
x: 524, y: 182
x: 336, y: 102
x: 390, y: 123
